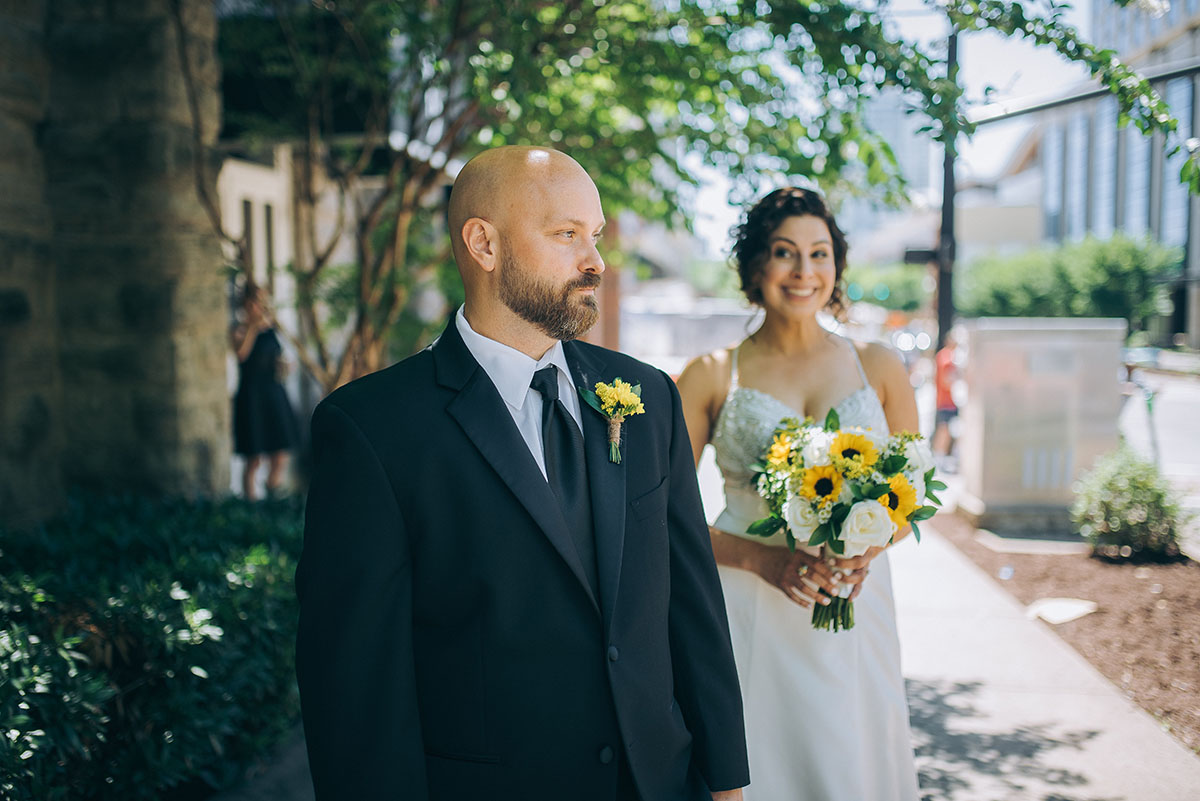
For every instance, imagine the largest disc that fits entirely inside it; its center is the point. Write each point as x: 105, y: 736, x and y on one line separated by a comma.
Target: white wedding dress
x: 826, y: 716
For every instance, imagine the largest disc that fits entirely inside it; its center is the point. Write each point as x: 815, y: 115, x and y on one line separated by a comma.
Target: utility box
x: 1043, y: 398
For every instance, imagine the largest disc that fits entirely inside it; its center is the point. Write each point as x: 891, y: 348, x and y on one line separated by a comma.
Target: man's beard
x: 549, y: 307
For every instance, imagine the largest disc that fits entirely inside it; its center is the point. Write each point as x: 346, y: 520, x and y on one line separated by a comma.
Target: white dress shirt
x: 511, y: 372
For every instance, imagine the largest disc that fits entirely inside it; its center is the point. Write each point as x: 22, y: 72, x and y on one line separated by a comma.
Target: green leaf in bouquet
x: 765, y: 527
x: 839, y: 515
x: 935, y: 485
x: 837, y: 546
x: 758, y: 467
x: 822, y: 534
x: 892, y: 465
x: 832, y: 421
x: 923, y: 513
x: 929, y: 474
x: 876, y: 491
x: 791, y: 540
x: 637, y: 390
x: 915, y: 530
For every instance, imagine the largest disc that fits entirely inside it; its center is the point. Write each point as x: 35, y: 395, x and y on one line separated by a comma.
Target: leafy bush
x: 146, y: 648
x: 1124, y: 508
x: 1120, y: 277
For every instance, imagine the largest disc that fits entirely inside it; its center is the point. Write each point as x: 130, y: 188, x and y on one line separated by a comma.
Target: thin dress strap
x: 858, y: 363
x: 733, y: 367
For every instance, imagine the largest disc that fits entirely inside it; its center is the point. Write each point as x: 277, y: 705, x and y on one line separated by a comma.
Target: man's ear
x: 482, y: 241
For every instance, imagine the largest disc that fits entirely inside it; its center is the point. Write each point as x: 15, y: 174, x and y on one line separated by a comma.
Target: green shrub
x: 146, y: 649
x: 1120, y: 277
x: 1124, y: 508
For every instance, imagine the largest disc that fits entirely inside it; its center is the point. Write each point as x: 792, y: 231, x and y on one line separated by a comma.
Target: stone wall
x: 112, y: 306
x: 141, y: 307
x: 31, y: 408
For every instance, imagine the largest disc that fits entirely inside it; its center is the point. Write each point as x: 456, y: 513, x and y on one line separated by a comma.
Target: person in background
x: 945, y: 373
x: 264, y: 426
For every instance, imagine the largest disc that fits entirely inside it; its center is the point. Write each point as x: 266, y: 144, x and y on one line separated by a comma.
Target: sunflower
x: 853, y: 454
x: 900, y: 500
x: 780, y: 450
x: 822, y: 484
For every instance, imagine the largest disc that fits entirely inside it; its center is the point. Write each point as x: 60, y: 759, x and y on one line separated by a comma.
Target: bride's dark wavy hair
x: 750, y: 237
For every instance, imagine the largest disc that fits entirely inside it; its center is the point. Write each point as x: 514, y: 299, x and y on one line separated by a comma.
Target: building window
x: 1076, y: 182
x: 1175, y: 203
x: 1104, y: 168
x: 1052, y: 176
x: 1137, y: 182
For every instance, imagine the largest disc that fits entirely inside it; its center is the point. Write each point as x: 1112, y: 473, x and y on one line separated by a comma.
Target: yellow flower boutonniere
x: 615, y: 401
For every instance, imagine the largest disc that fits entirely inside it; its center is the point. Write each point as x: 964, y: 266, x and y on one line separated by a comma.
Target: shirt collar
x: 511, y: 370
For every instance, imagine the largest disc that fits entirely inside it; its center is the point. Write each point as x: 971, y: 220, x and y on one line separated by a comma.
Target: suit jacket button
x: 606, y: 755
x: 613, y: 653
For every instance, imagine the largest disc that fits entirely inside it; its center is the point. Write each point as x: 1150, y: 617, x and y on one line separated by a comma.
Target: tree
x: 636, y: 90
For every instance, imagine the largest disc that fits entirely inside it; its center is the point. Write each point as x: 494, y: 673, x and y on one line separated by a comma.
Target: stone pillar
x: 141, y: 305
x: 31, y: 408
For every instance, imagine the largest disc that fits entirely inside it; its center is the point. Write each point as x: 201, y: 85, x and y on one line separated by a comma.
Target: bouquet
x: 842, y: 492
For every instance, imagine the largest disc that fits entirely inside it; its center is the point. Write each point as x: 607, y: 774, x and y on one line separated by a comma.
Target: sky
x: 1016, y: 69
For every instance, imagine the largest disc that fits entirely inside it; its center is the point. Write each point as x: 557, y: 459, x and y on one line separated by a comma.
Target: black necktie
x: 566, y: 468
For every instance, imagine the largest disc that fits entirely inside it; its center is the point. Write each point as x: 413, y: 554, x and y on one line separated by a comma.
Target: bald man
x: 491, y: 607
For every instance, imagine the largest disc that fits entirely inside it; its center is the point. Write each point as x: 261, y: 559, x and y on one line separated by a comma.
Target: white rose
x: 801, y: 518
x: 816, y: 451
x: 867, y: 526
x: 918, y: 484
x: 920, y: 461
x: 920, y: 458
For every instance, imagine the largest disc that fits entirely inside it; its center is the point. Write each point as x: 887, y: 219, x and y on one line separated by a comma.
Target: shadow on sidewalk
x: 957, y: 763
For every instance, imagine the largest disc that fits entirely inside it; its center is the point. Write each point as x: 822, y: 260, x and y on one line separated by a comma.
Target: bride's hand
x: 798, y: 575
x: 855, y: 569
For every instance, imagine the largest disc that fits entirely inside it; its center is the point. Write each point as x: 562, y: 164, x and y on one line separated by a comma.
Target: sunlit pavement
x: 1001, y: 708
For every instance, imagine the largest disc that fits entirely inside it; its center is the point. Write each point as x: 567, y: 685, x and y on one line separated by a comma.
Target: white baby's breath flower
x: 1155, y: 8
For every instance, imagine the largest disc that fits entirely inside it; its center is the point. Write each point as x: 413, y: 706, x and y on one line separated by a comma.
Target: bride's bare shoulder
x: 707, y: 374
x: 882, y: 363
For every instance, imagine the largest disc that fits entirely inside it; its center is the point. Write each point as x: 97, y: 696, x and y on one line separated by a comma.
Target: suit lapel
x: 606, y: 480
x: 483, y: 416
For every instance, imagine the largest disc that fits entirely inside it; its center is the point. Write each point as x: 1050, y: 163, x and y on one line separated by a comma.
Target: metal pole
x: 945, y: 254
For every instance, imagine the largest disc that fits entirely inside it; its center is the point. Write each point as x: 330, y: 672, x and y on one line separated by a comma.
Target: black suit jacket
x: 449, y: 645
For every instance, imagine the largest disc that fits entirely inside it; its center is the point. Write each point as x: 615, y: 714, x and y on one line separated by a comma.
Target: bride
x: 826, y: 717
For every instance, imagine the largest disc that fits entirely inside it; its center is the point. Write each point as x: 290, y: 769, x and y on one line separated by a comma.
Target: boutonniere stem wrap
x: 615, y: 401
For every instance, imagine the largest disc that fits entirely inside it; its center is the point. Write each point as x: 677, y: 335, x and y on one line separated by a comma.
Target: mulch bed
x: 1145, y: 636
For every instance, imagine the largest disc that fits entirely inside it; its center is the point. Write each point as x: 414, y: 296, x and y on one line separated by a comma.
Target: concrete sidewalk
x: 1002, y: 709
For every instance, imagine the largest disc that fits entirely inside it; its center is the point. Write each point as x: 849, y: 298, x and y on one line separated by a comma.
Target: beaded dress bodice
x: 744, y: 428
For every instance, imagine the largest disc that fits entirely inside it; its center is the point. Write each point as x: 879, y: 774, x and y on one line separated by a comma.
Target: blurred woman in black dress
x: 264, y: 425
